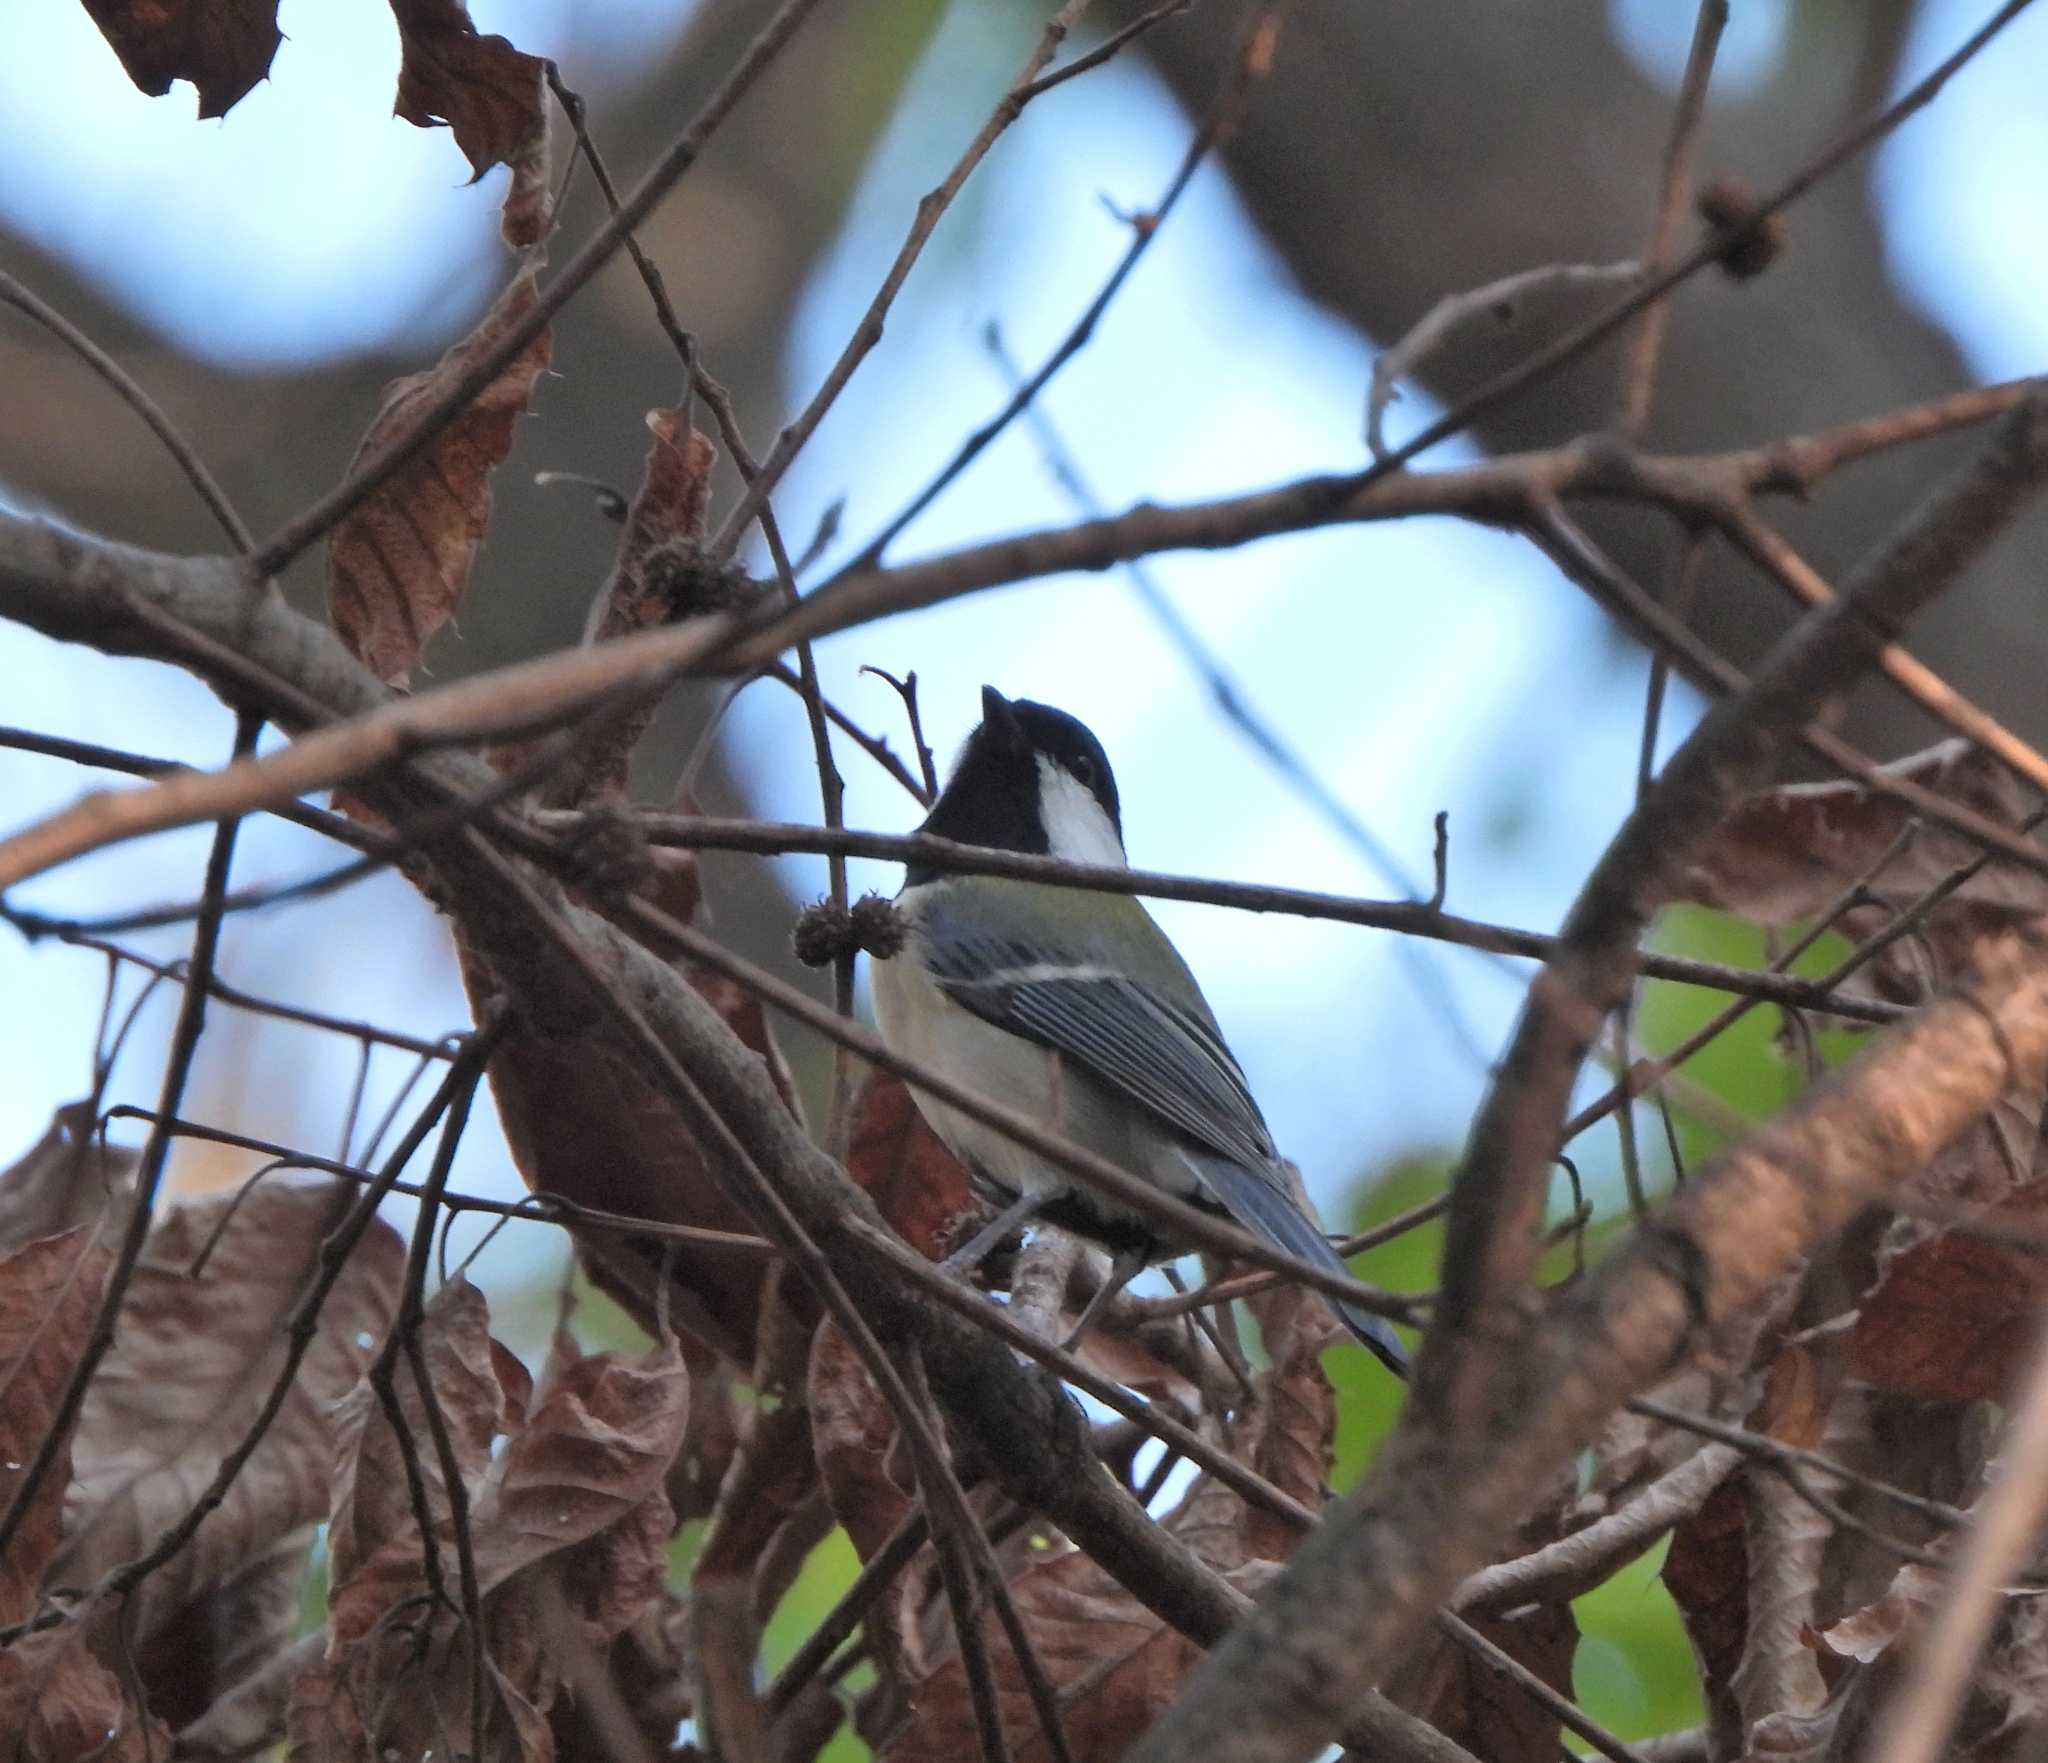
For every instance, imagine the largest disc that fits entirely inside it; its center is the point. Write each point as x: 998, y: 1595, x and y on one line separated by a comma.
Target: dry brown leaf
x: 1113, y: 1663
x: 1786, y: 1540
x: 528, y: 215
x: 191, y: 1364
x: 229, y: 1638
x: 671, y: 504
x: 1296, y: 1433
x: 1784, y: 856
x: 373, y: 1518
x: 595, y: 1449
x: 568, y: 1531
x: 1285, y: 1432
x: 653, y: 583
x: 869, y: 1482
x: 1465, y: 1699
x: 398, y: 565
x: 712, y: 1435
x: 1707, y: 1574
x: 584, y: 1124
x: 249, y: 1719
x: 1953, y: 1317
x: 224, y: 47
x: 1864, y: 1634
x: 853, y: 1434
x: 49, y: 1294
x: 59, y: 1703
x: 490, y: 94
x: 919, y: 1185
x: 69, y: 1176
x: 1462, y: 1695
x: 644, y: 1677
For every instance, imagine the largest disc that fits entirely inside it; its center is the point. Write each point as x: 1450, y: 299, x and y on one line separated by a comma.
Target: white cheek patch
x: 1076, y: 828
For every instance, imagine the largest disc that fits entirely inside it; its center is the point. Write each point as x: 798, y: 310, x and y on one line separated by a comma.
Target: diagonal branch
x: 1492, y: 1408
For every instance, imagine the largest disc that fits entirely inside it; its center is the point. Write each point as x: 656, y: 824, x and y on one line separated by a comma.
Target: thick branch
x: 1497, y: 1197
x: 1362, y: 1585
x: 1492, y: 1410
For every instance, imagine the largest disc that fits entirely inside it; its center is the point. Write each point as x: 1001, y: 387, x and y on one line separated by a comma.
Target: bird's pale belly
x: 1037, y: 1083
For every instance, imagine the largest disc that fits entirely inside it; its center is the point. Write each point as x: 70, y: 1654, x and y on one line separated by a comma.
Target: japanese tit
x: 1073, y: 1007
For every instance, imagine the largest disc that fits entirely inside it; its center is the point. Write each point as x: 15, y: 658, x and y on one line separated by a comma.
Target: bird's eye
x: 1083, y: 769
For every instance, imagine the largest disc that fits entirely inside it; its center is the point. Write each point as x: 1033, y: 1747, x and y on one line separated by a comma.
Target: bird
x: 1074, y: 1006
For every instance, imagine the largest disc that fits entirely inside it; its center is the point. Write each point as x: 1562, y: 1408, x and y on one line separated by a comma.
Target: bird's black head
x: 1030, y: 778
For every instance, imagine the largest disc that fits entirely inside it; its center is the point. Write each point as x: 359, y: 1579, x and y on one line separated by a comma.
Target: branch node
x: 1750, y: 242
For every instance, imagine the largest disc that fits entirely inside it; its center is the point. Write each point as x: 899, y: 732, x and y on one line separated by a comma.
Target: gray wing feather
x: 1163, y: 1057
x: 1261, y: 1206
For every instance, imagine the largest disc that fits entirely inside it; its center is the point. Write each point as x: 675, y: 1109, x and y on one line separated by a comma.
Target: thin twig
x: 1568, y: 544
x: 1575, y: 1564
x: 868, y: 331
x: 1562, y: 1709
x: 1789, y: 1460
x: 921, y: 790
x: 1106, y: 50
x: 328, y: 824
x: 1496, y: 491
x: 1237, y: 709
x: 538, y: 1208
x: 185, y: 1034
x: 906, y: 689
x: 1542, y: 363
x: 1771, y: 552
x: 848, y: 1612
x: 130, y: 392
x: 1646, y: 343
x: 325, y: 514
x: 298, y: 1331
x: 175, y: 972
x: 405, y: 1335
x: 1224, y: 117
x: 774, y: 838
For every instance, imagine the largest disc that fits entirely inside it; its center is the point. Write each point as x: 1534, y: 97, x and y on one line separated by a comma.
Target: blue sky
x: 1504, y: 681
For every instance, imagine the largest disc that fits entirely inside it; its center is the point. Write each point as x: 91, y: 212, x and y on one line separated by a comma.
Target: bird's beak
x: 1000, y: 719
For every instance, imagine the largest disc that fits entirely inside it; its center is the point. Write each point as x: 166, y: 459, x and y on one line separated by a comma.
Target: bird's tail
x: 1264, y: 1209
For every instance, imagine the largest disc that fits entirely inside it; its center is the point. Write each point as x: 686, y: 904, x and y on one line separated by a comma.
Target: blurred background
x: 264, y: 275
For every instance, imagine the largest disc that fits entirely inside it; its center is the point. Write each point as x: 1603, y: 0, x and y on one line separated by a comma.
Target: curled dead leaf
x: 1464, y: 1695
x: 49, y: 1293
x: 652, y: 583
x: 69, y: 1176
x: 1784, y: 855
x: 1864, y: 1634
x: 568, y: 1529
x: 1113, y: 1664
x: 373, y: 1506
x: 583, y: 1124
x: 397, y: 567
x: 488, y: 93
x: 193, y: 1361
x: 1706, y: 1571
x: 1953, y: 1317
x: 59, y: 1701
x: 919, y: 1185
x: 224, y: 47
x: 671, y: 503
